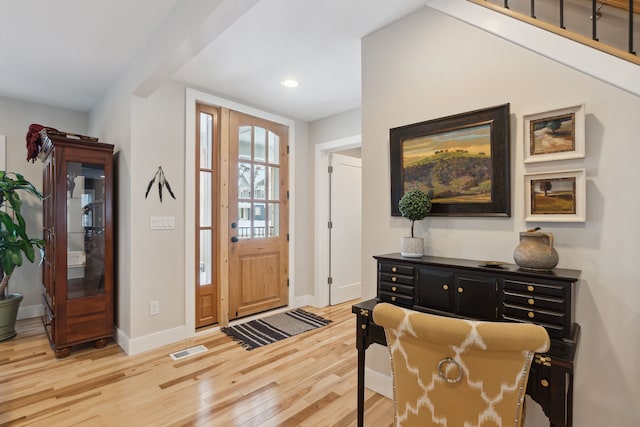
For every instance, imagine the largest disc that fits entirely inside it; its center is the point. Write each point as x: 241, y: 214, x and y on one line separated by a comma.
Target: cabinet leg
x: 360, y: 403
x: 62, y: 352
x: 101, y: 343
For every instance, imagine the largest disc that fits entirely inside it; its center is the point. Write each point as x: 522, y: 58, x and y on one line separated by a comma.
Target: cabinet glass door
x: 85, y: 229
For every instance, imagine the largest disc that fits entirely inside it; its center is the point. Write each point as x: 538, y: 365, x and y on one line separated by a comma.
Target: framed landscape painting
x: 460, y: 161
x: 555, y: 196
x: 554, y: 135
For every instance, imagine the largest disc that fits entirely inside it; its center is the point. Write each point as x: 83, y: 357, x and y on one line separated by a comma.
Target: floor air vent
x: 188, y: 352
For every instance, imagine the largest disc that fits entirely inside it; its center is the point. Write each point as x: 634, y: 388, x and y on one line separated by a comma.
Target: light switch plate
x: 162, y: 223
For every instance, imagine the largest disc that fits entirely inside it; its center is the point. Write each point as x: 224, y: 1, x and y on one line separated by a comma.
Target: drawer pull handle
x: 531, y: 301
x: 460, y: 290
x: 393, y: 298
x: 531, y: 315
x: 394, y: 269
x: 394, y: 288
x: 445, y: 287
x: 394, y: 279
x: 530, y: 288
x: 544, y: 383
x: 363, y: 326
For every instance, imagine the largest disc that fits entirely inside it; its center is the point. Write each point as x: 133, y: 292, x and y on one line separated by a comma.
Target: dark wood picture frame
x: 445, y: 145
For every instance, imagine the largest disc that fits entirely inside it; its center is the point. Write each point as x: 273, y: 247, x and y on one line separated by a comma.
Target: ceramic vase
x: 8, y: 315
x: 412, y: 247
x: 535, y: 251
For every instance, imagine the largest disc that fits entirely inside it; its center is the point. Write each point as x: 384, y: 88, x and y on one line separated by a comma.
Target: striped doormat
x: 260, y: 332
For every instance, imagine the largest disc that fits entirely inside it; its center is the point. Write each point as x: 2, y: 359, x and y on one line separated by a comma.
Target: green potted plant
x: 415, y: 206
x: 15, y: 245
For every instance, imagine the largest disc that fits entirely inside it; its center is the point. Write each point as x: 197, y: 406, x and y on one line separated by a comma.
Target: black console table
x: 484, y: 291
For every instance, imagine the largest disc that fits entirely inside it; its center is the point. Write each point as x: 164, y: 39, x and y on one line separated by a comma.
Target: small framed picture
x: 554, y: 135
x: 555, y: 196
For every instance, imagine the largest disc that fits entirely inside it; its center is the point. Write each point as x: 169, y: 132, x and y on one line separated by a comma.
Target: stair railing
x: 632, y: 6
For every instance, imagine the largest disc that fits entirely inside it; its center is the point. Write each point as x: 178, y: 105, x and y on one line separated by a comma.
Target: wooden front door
x: 258, y: 215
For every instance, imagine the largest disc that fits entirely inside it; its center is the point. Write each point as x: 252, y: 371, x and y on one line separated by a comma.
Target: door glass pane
x: 260, y: 144
x: 259, y: 182
x: 274, y: 219
x: 244, y: 180
x: 205, y: 199
x: 244, y: 220
x: 206, y: 140
x: 85, y: 229
x: 274, y: 183
x: 274, y: 148
x: 259, y: 219
x: 205, y: 257
x: 244, y: 142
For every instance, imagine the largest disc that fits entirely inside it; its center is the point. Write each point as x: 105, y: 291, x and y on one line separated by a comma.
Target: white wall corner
x: 378, y: 382
x: 122, y: 340
x: 151, y: 341
x: 30, y: 311
x: 304, y: 300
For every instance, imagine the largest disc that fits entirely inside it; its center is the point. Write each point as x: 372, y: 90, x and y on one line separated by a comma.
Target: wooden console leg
x: 63, y: 352
x: 101, y: 343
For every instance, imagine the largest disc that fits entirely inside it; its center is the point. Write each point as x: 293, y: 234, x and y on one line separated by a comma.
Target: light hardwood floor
x: 306, y: 380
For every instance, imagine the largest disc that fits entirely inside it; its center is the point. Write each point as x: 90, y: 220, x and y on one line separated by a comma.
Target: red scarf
x: 34, y: 142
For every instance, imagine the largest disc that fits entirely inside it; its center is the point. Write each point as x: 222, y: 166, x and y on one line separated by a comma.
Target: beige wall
x: 429, y: 65
x: 15, y: 118
x: 338, y: 126
x: 156, y: 263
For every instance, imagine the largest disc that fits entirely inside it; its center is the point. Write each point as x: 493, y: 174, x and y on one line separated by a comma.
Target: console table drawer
x: 395, y: 298
x: 532, y: 288
x: 397, y: 279
x: 406, y: 270
x: 535, y: 301
x: 553, y: 322
x: 396, y: 289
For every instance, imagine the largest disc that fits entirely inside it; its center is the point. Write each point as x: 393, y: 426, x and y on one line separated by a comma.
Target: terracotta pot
x: 535, y: 251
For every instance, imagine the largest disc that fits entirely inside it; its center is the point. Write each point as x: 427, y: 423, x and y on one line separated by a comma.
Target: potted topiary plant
x: 414, y: 205
x: 14, y: 245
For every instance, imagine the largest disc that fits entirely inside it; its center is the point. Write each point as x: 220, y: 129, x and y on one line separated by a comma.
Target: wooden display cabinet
x: 78, y: 290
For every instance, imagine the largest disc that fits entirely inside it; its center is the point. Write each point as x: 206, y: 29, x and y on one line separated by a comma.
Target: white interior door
x: 346, y: 220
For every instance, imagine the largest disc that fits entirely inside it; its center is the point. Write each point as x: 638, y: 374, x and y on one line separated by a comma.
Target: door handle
x: 234, y: 225
x: 234, y: 239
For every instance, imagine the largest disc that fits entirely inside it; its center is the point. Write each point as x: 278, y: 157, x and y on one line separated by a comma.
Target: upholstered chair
x: 455, y: 372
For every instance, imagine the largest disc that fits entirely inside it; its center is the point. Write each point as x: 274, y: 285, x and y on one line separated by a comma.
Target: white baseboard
x: 30, y: 311
x: 303, y: 300
x: 380, y: 383
x: 151, y: 341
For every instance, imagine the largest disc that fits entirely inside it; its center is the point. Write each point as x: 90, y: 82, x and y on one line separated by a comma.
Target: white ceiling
x: 66, y: 53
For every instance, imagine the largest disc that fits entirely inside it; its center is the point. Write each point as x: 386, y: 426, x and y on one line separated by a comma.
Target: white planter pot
x: 412, y: 247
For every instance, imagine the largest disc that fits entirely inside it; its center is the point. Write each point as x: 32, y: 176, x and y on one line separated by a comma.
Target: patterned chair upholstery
x: 456, y: 372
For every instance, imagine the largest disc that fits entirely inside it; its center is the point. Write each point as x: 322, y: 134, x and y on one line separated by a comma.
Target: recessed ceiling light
x: 289, y: 83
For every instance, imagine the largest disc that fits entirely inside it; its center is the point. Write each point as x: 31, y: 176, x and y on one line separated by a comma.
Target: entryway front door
x: 258, y: 215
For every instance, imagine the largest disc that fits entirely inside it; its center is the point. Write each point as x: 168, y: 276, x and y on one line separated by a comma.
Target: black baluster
x: 533, y: 9
x: 594, y: 18
x: 562, y: 14
x: 631, y: 27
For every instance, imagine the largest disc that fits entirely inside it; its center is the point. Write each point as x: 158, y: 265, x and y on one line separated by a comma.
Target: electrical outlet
x: 154, y: 308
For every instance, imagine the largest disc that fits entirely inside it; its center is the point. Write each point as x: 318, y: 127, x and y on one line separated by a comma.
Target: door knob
x: 234, y: 225
x: 234, y: 239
